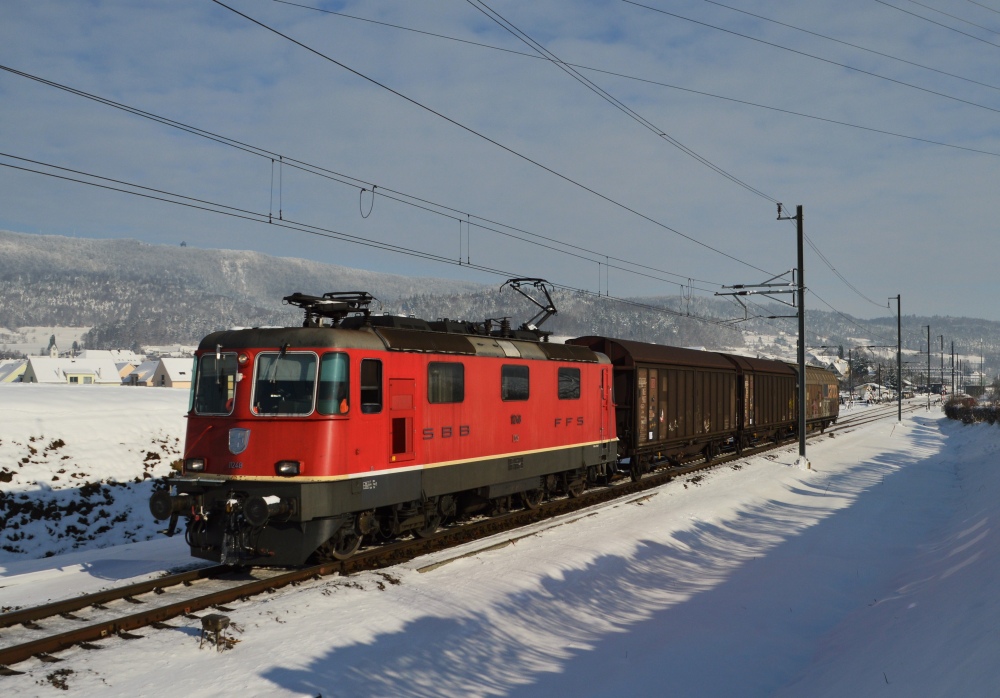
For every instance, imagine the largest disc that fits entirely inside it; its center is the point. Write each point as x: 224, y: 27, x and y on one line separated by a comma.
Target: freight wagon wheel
x: 532, y: 499
x: 635, y: 470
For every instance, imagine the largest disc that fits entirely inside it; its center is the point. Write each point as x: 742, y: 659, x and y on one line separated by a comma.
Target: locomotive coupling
x: 162, y: 506
x: 259, y: 510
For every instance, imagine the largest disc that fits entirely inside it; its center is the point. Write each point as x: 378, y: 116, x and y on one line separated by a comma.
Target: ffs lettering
x: 569, y: 421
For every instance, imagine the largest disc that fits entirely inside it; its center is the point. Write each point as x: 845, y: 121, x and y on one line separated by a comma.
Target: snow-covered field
x: 871, y: 575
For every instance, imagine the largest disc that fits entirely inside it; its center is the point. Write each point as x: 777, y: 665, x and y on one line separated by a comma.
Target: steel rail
x: 78, y: 603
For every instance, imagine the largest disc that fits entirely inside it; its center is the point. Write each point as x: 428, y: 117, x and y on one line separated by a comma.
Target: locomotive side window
x: 445, y: 382
x: 371, y: 386
x: 569, y: 384
x: 514, y: 383
x: 285, y: 384
x: 215, y: 384
x: 334, y: 374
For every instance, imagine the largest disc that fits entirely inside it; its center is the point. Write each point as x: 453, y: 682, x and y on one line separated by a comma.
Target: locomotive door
x: 605, y: 395
x: 401, y: 416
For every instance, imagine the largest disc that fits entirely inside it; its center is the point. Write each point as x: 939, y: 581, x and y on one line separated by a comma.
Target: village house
x: 173, y: 373
x: 44, y: 369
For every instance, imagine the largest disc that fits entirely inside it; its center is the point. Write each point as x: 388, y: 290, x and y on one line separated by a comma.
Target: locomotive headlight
x: 242, y: 359
x: 194, y: 465
x: 288, y: 467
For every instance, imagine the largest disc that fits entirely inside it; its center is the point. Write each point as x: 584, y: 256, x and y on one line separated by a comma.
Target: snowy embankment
x: 870, y: 575
x: 77, y: 464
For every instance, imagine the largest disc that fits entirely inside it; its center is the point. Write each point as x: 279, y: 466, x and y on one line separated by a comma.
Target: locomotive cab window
x: 334, y: 384
x: 569, y: 384
x: 445, y: 382
x: 514, y: 383
x: 285, y: 384
x: 214, y: 388
x: 371, y: 386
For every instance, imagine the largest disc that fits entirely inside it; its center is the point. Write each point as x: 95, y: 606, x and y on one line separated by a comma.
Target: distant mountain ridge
x: 133, y: 293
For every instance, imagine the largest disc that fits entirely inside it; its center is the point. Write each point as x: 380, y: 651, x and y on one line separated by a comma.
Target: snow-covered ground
x: 872, y: 574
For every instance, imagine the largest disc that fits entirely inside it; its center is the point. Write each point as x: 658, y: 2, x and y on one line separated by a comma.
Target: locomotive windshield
x: 285, y: 384
x: 215, y: 386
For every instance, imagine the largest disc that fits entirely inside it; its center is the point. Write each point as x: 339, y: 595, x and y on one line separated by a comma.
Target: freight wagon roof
x: 748, y: 364
x: 624, y: 352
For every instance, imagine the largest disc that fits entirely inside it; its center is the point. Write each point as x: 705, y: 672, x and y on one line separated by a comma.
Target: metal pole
x: 942, y: 367
x: 928, y: 368
x: 953, y: 367
x: 802, y: 341
x: 899, y: 361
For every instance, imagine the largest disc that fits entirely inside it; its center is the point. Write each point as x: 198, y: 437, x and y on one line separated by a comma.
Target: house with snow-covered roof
x: 45, y: 369
x: 143, y: 373
x: 173, y: 373
x: 11, y: 370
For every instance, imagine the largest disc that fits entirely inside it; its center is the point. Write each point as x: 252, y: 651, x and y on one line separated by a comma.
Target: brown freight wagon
x: 767, y: 395
x: 822, y: 397
x: 670, y: 403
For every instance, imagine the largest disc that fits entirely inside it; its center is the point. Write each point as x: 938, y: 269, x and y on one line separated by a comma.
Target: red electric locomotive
x: 304, y: 441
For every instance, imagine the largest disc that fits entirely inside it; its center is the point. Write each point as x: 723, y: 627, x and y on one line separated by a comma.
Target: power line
x: 984, y: 6
x: 562, y: 65
x: 847, y: 43
x: 945, y: 26
x: 492, y: 141
x: 814, y: 57
x: 164, y: 196
x: 385, y: 192
x: 689, y: 90
x: 955, y: 17
x: 606, y: 96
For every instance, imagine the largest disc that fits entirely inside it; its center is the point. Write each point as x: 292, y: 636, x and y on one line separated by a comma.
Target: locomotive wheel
x: 344, y: 544
x: 532, y: 498
x: 575, y: 488
x: 433, y: 523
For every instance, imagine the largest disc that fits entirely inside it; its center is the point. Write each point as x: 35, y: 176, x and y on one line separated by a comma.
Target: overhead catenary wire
x: 847, y: 43
x: 940, y: 24
x: 862, y: 71
x: 679, y: 88
x: 529, y: 41
x: 423, y: 204
x: 611, y: 99
x: 496, y: 143
x: 955, y: 17
x: 205, y: 205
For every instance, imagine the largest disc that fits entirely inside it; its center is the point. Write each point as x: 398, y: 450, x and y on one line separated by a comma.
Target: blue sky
x: 892, y: 215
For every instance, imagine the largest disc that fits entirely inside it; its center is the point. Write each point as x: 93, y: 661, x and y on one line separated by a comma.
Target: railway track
x: 88, y: 621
